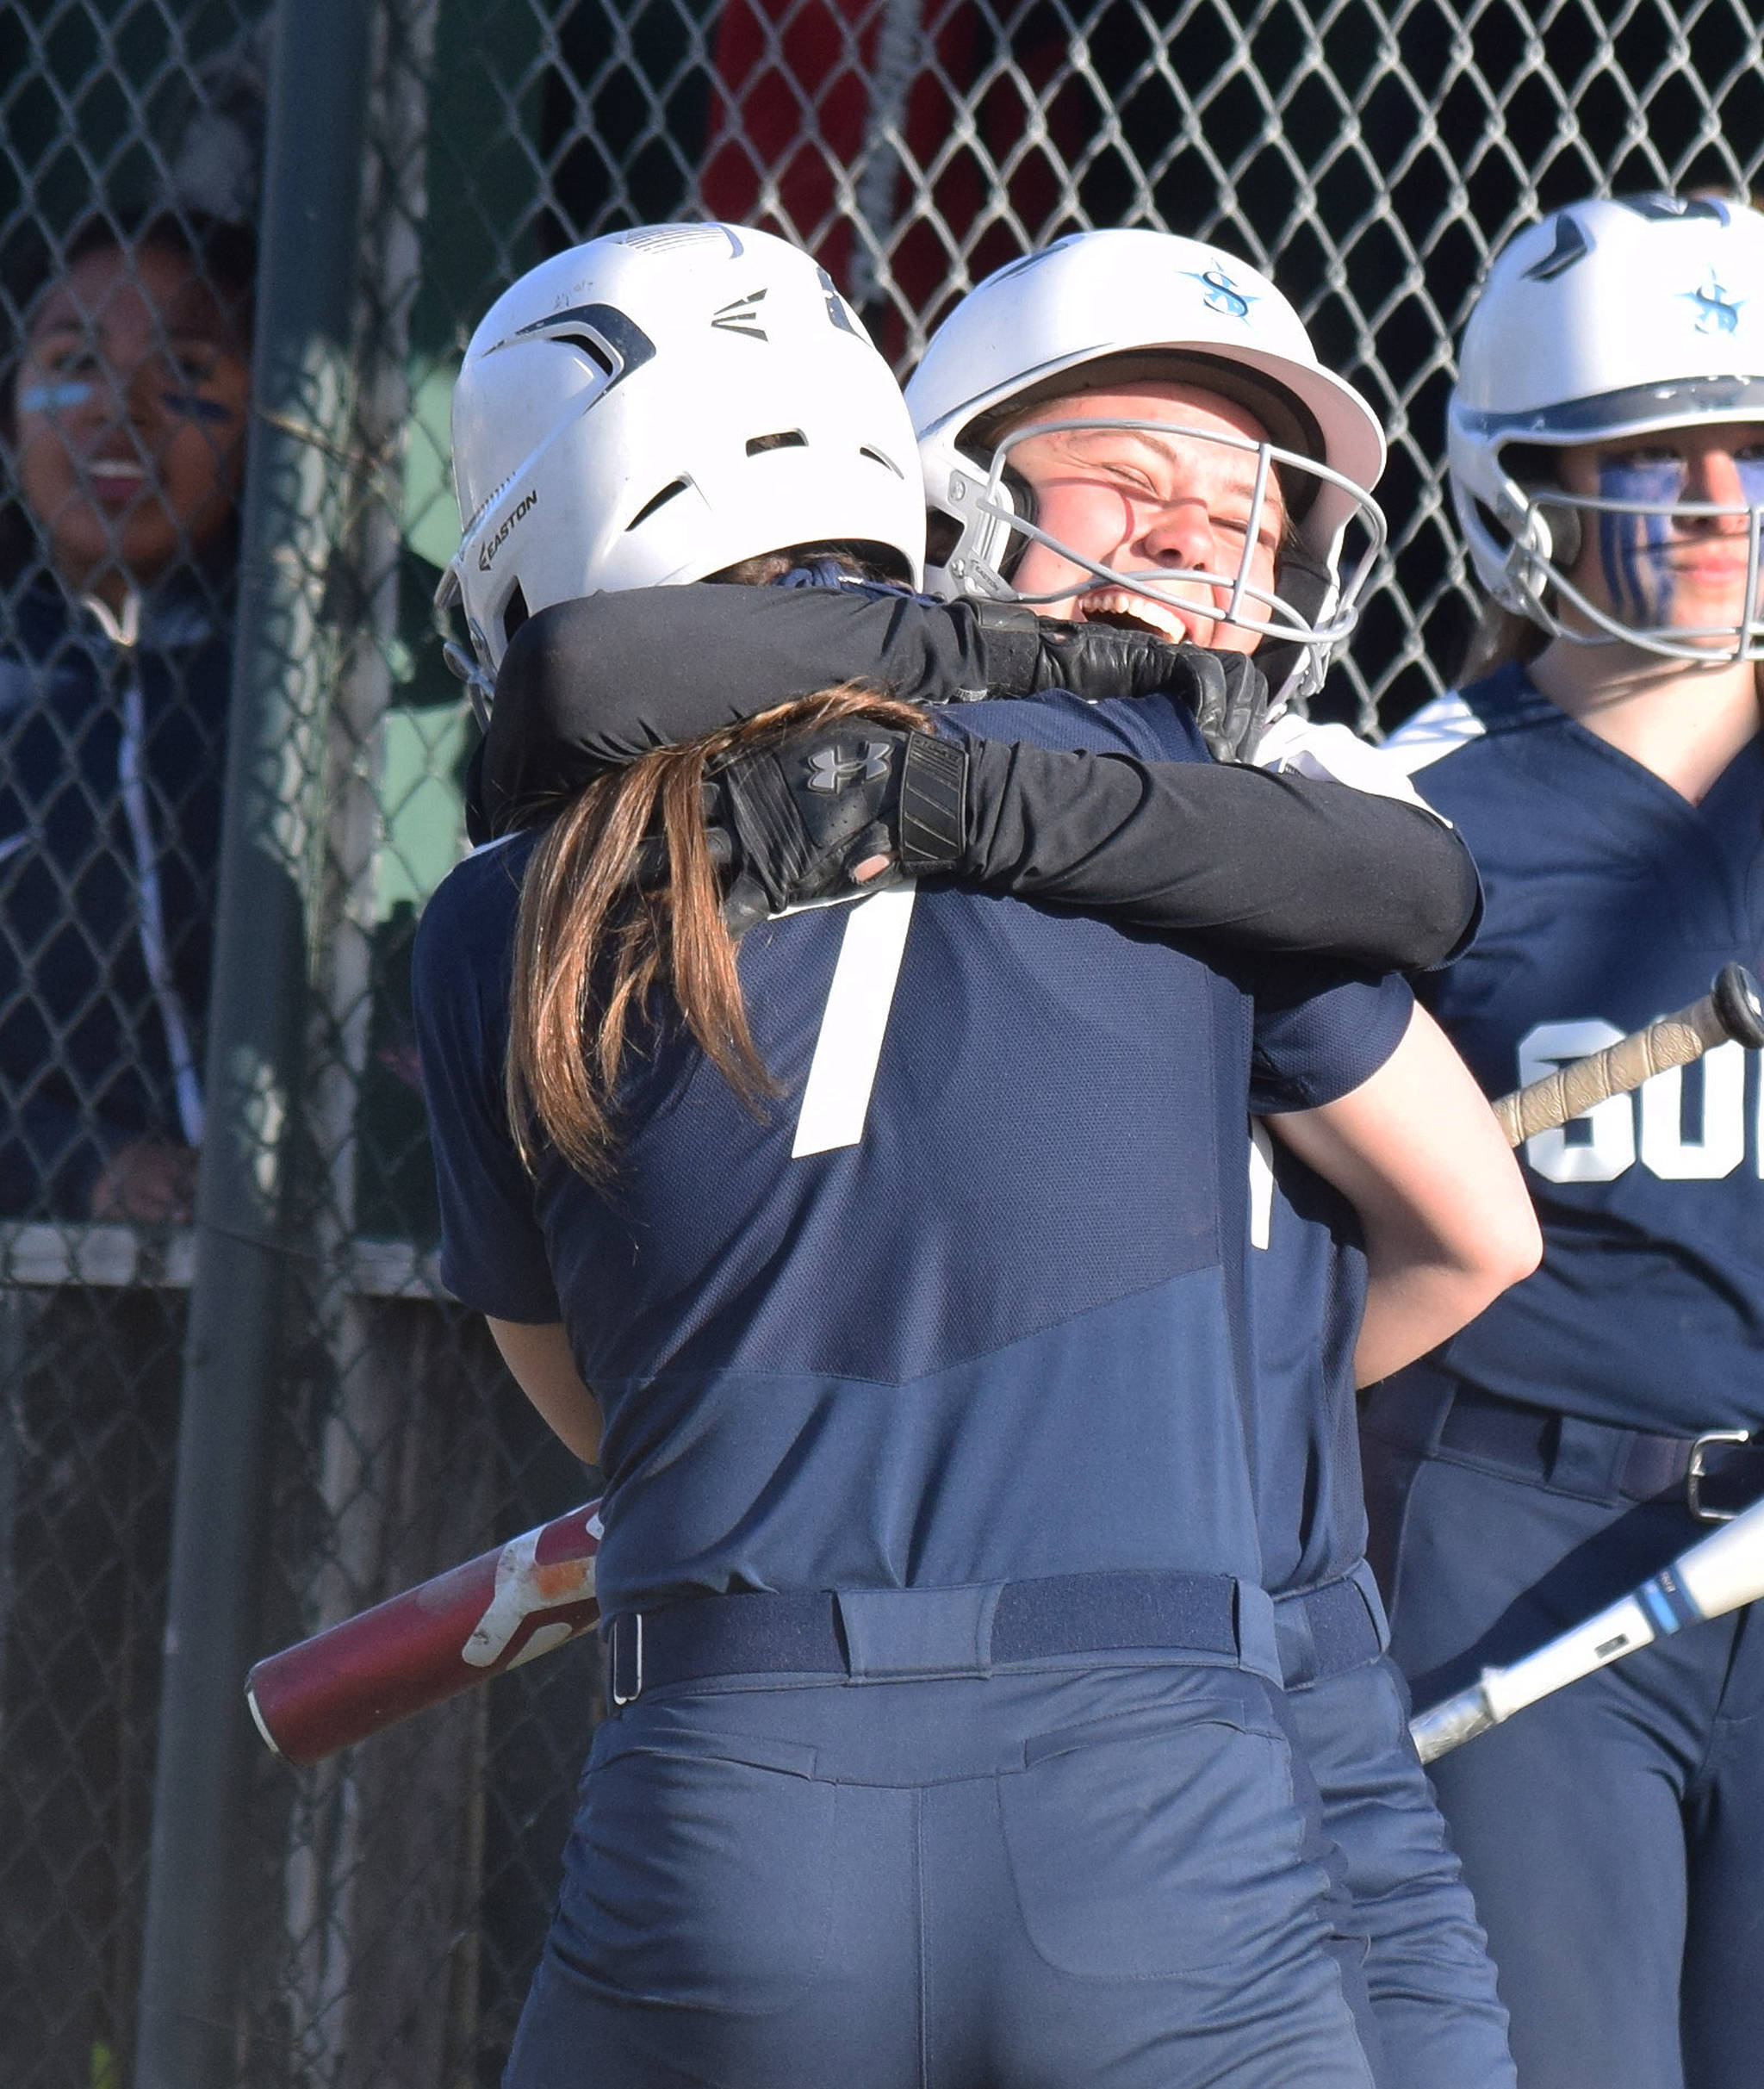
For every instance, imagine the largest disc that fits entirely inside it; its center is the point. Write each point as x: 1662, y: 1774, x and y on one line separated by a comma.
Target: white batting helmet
x: 1614, y: 318
x: 1101, y: 308
x: 659, y: 404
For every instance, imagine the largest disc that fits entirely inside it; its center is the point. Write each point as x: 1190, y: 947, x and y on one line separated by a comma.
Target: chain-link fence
x: 1371, y: 156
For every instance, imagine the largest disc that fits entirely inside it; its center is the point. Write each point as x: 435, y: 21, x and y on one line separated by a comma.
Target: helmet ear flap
x: 1549, y: 528
x: 1022, y: 504
x: 1561, y: 534
x: 1307, y: 585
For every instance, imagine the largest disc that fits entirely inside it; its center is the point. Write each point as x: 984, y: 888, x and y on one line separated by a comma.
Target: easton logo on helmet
x: 741, y: 315
x: 486, y: 552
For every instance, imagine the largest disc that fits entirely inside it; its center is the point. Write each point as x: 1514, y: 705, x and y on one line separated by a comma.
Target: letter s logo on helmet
x: 1099, y: 309
x: 1615, y: 318
x: 659, y: 404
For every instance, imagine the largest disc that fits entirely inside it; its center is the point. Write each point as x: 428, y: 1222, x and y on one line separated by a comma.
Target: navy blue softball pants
x: 1052, y: 1876
x: 1612, y: 1834
x: 1436, y: 2020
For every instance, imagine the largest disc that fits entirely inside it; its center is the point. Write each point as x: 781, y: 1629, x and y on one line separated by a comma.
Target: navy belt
x: 1426, y: 1412
x: 1329, y: 1628
x: 892, y: 1634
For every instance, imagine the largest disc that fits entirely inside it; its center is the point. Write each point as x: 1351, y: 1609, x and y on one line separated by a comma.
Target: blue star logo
x: 1222, y: 294
x: 1717, y: 311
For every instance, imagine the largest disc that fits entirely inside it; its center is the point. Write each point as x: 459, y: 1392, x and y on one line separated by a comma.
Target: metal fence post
x: 298, y: 441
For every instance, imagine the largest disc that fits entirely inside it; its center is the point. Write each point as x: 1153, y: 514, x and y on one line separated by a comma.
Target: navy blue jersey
x: 1611, y: 901
x: 998, y: 1335
x: 1305, y: 1297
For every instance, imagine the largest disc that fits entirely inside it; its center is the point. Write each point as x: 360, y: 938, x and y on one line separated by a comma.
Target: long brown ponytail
x: 592, y: 943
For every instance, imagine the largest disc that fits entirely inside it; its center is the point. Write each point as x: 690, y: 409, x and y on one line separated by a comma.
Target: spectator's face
x: 129, y: 412
x: 1164, y: 496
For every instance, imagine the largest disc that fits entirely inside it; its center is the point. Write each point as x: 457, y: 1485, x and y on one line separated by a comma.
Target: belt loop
x: 1588, y: 1458
x: 1297, y: 1644
x: 1258, y: 1644
x: 625, y: 1658
x: 891, y: 1634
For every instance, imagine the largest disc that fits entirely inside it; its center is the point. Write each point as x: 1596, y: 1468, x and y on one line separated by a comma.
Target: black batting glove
x: 1226, y: 691
x: 800, y: 821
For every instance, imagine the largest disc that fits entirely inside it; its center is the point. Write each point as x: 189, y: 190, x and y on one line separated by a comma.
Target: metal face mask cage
x: 991, y: 521
x: 1535, y: 578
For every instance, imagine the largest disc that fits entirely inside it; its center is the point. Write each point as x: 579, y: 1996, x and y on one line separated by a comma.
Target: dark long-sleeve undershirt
x: 1239, y: 857
x: 593, y: 684
x: 1232, y: 855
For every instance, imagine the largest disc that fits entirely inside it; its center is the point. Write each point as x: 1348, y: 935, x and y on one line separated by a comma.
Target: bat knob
x: 1438, y: 1730
x: 1740, y: 1005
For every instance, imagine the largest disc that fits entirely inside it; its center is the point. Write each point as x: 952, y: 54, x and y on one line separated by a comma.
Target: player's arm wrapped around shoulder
x: 1254, y: 861
x: 591, y: 684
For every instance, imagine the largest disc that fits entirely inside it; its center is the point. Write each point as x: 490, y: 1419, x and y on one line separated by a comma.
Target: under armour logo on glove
x: 831, y: 770
x: 829, y: 814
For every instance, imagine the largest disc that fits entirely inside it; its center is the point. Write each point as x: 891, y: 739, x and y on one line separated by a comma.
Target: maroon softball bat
x: 537, y: 1591
x: 420, y: 1648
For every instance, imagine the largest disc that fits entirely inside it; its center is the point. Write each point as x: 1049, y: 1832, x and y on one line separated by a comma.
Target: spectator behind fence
x: 124, y: 424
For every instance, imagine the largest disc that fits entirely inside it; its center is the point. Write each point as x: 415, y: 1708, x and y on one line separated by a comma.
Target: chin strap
x: 478, y: 686
x: 1285, y: 662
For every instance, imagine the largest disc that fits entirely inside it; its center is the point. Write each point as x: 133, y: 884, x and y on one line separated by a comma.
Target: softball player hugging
x: 948, y: 1744
x: 1079, y: 417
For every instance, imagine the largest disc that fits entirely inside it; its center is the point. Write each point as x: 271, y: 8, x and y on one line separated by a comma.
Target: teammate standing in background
x: 1603, y: 760
x: 944, y: 1404
x: 1178, y: 362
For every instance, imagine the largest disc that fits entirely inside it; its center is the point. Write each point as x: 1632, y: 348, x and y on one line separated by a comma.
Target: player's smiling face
x: 129, y: 415
x: 1684, y: 573
x: 1167, y: 496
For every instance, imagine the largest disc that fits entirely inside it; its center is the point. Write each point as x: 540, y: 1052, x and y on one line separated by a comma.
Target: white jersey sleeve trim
x: 1293, y: 746
x: 1437, y: 729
